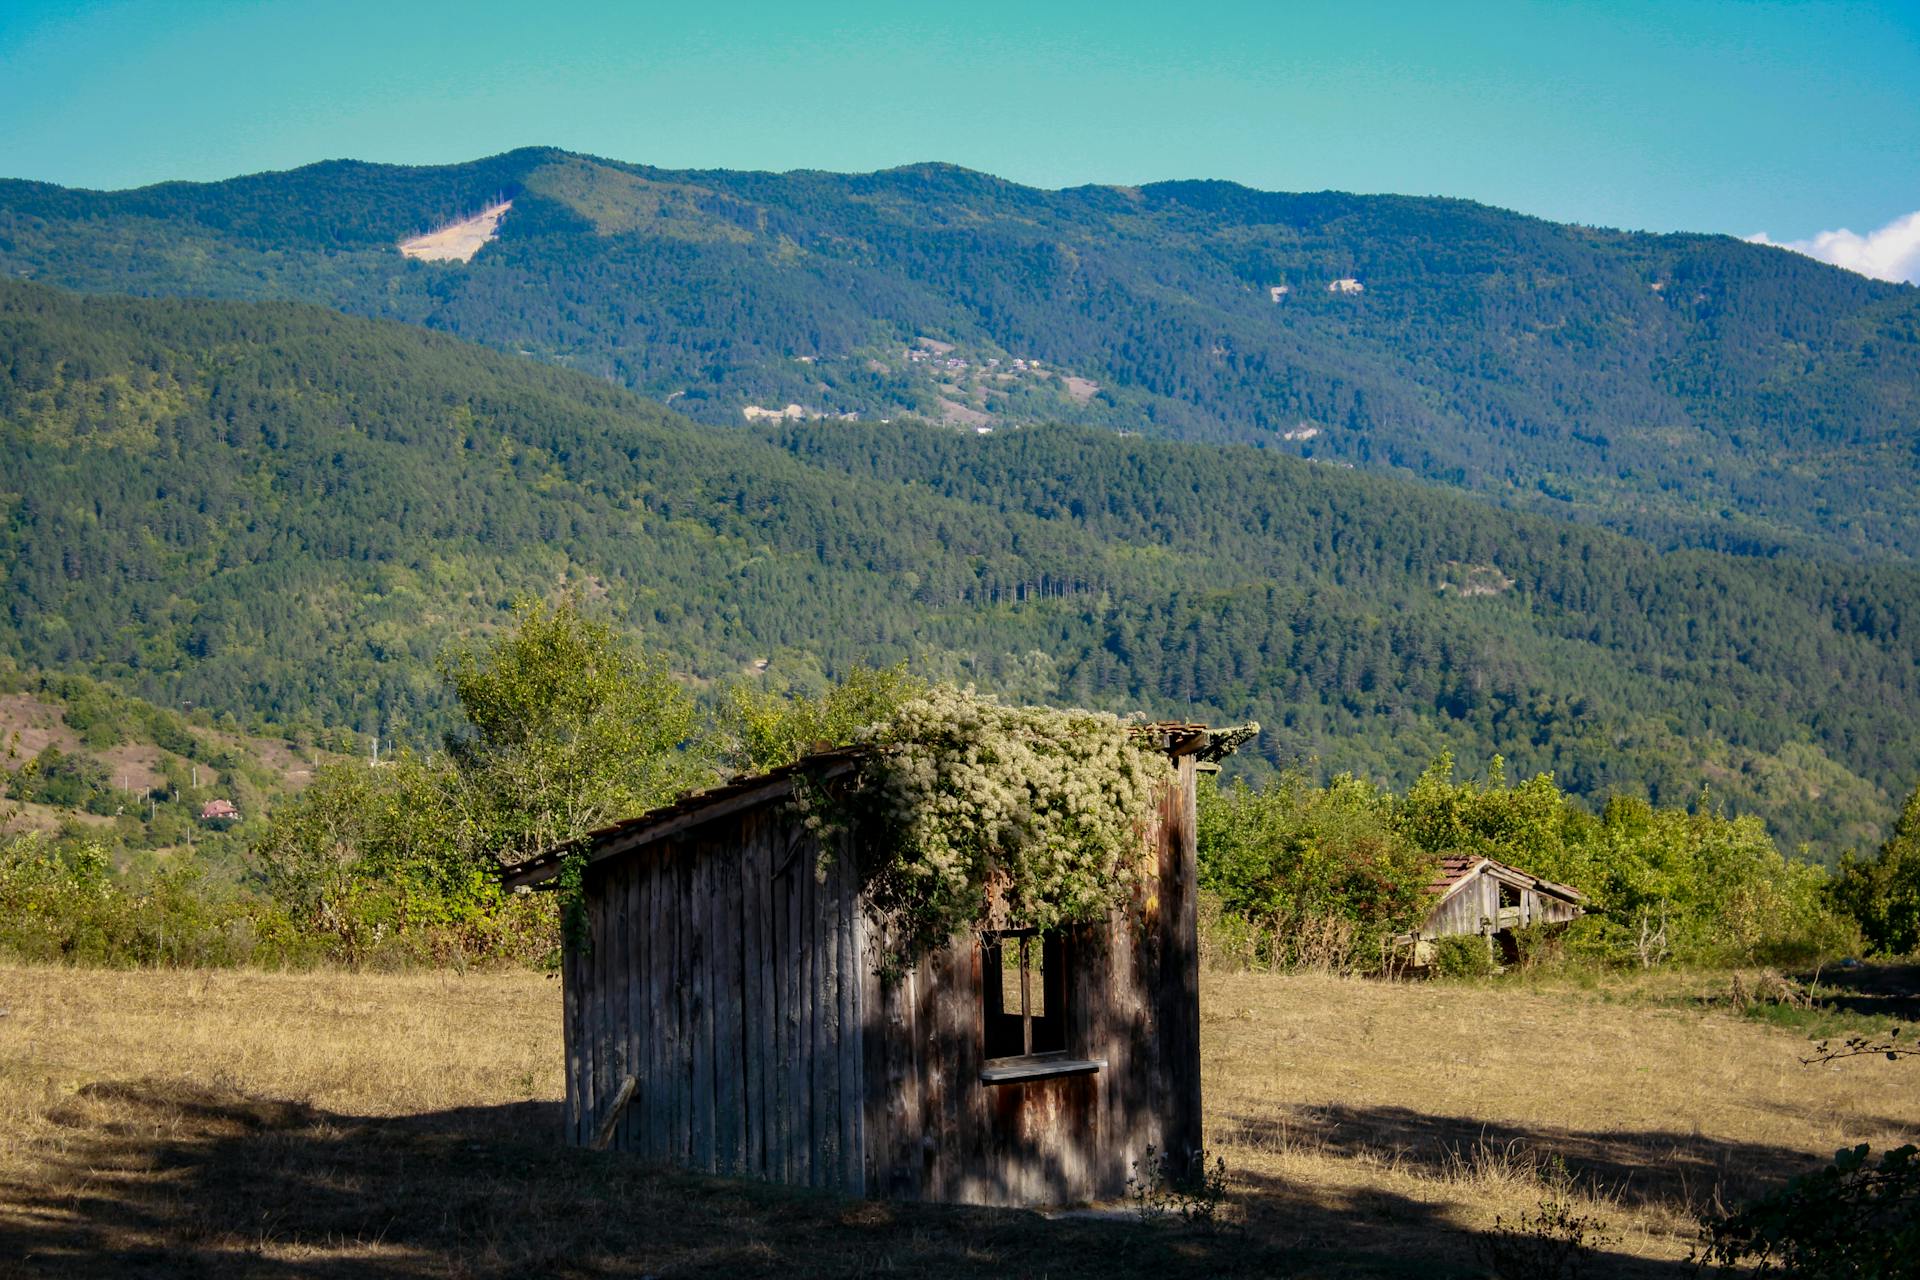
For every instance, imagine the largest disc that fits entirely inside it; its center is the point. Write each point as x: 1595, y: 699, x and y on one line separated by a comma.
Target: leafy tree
x: 762, y: 729
x: 1884, y: 894
x: 567, y: 729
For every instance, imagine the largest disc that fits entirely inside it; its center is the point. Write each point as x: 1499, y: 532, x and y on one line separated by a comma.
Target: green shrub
x: 61, y: 901
x: 1661, y: 884
x: 1316, y: 876
x: 1462, y: 955
x: 1858, y: 1217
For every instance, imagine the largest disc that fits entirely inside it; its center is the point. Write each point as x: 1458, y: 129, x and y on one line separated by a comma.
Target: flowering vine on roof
x: 976, y: 815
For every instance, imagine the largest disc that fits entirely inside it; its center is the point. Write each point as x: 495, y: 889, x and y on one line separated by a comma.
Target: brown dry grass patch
x: 323, y: 1124
x: 1445, y: 1105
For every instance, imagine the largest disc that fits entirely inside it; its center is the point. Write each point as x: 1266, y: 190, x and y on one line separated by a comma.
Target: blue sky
x: 1789, y: 119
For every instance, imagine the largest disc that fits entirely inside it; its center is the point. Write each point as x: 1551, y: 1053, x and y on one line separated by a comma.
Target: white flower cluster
x: 994, y: 816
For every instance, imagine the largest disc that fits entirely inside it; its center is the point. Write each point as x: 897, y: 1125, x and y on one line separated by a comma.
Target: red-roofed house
x: 1487, y: 897
x: 219, y: 811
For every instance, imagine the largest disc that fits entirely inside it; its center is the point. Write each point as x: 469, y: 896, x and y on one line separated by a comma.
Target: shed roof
x: 1456, y: 870
x: 1178, y: 737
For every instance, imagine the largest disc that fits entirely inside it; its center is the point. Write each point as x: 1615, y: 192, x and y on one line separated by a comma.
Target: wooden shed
x: 736, y: 983
x: 1487, y: 897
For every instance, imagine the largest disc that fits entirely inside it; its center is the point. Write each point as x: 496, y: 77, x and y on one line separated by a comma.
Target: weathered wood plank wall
x: 737, y: 978
x: 1475, y: 908
x: 720, y: 973
x: 936, y: 1132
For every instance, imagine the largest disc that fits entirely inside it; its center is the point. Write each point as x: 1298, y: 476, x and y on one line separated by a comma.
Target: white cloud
x: 1891, y: 253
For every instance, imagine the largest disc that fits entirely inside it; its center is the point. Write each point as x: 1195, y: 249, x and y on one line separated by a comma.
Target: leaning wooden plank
x: 603, y: 1134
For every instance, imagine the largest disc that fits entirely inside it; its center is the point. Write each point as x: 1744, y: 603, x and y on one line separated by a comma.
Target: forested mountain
x: 282, y: 512
x: 1693, y: 390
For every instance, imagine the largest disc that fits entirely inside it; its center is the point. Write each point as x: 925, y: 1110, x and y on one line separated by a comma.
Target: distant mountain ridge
x: 1691, y: 390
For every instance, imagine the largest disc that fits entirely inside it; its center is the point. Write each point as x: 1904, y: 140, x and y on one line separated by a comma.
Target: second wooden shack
x: 1479, y: 895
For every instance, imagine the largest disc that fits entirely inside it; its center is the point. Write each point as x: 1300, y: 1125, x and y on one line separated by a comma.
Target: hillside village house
x: 219, y: 811
x: 727, y: 1012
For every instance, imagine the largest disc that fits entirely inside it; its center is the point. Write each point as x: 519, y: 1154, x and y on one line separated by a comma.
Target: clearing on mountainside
x: 458, y: 241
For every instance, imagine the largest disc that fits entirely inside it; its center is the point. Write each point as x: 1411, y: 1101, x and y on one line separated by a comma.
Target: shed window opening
x: 1509, y: 896
x: 1024, y: 975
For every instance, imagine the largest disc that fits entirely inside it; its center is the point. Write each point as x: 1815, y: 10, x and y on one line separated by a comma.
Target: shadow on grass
x: 1889, y: 992
x: 1686, y: 1172
x: 160, y: 1180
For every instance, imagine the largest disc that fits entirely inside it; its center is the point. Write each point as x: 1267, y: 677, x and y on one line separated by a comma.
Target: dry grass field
x: 318, y: 1125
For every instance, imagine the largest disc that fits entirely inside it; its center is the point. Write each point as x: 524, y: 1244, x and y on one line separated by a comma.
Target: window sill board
x: 1038, y: 1066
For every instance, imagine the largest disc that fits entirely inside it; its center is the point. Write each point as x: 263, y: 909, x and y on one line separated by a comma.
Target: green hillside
x: 1692, y: 390
x: 286, y: 514
x: 85, y: 759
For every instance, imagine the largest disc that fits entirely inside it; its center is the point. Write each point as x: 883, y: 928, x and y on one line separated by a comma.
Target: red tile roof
x: 1456, y: 869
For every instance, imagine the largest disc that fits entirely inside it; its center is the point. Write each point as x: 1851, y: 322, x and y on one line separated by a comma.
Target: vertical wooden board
x: 905, y: 1120
x: 1179, y: 1021
x: 808, y: 933
x: 850, y: 1046
x: 650, y: 1023
x: 801, y: 1137
x: 590, y: 1011
x: 613, y: 997
x: 1126, y: 1014
x: 686, y: 1014
x: 668, y: 1009
x: 962, y: 1146
x: 826, y: 1030
x: 978, y: 1147
x: 977, y: 1106
x: 570, y: 1034
x: 875, y: 1140
x: 1080, y: 956
x: 928, y: 1069
x: 660, y: 985
x: 729, y: 1071
x: 700, y: 1124
x: 604, y: 943
x: 630, y: 1127
x: 780, y: 898
x: 759, y: 971
x: 628, y: 1138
